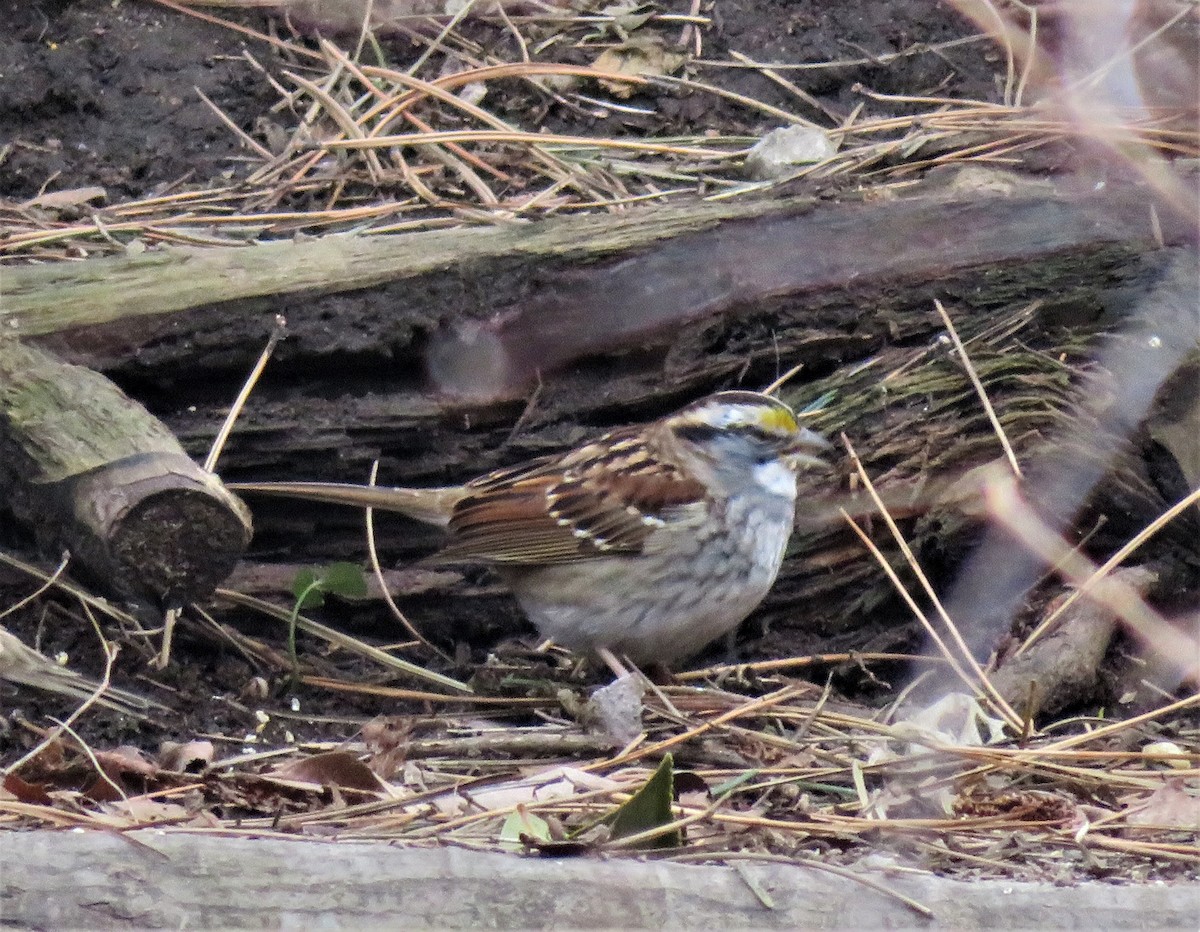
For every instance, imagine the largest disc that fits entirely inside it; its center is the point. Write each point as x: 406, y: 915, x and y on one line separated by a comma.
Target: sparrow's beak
x: 806, y: 449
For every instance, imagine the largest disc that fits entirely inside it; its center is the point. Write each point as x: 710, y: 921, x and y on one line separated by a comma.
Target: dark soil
x: 95, y: 93
x: 102, y: 93
x: 105, y: 94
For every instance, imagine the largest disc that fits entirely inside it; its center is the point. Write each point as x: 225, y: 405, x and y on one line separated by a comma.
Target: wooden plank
x: 151, y: 879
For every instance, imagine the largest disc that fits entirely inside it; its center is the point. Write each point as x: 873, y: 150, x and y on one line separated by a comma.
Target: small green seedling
x: 310, y: 588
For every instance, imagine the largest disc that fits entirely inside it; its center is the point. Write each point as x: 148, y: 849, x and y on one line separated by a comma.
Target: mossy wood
x: 97, y: 475
x: 63, y: 296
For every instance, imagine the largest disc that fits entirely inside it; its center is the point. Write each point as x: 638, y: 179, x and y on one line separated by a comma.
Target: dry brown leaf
x: 334, y: 768
x: 386, y: 738
x: 643, y: 55
x: 1173, y: 805
x: 190, y: 757
x: 26, y: 792
x: 126, y: 759
x: 140, y: 810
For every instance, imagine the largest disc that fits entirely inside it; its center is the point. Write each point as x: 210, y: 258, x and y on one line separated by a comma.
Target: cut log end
x: 94, y: 473
x: 157, y: 527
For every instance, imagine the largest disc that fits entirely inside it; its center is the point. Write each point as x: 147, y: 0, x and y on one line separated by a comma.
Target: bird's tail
x: 432, y: 506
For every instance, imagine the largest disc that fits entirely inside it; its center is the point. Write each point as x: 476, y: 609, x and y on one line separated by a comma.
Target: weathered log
x: 1062, y: 670
x: 65, y: 296
x: 626, y: 316
x: 447, y: 308
x: 638, y: 312
x: 95, y: 474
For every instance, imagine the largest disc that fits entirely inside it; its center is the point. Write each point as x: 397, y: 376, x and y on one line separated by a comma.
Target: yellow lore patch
x: 778, y: 420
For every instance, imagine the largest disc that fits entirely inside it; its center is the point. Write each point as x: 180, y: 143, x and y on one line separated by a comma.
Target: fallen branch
x: 95, y: 474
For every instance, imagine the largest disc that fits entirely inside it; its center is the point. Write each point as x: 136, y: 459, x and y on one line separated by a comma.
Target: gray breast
x: 694, y: 582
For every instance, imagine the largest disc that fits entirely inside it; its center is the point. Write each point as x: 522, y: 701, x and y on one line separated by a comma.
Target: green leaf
x: 649, y: 808
x: 345, y: 579
x: 521, y: 823
x: 303, y: 581
x: 306, y: 588
x: 312, y: 598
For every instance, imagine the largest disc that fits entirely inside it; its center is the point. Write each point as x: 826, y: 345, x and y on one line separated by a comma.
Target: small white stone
x: 780, y: 151
x: 473, y: 93
x: 1167, y: 752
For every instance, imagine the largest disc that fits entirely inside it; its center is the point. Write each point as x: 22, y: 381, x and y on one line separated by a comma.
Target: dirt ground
x: 96, y: 93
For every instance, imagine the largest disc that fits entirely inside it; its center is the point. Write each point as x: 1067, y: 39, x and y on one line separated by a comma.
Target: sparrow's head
x: 751, y: 426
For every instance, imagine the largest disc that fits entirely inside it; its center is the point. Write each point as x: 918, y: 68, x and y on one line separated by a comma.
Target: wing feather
x: 603, y: 499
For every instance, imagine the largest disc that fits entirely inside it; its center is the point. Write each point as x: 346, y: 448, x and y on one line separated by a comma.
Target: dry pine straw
x: 813, y: 782
x: 787, y: 772
x: 378, y: 149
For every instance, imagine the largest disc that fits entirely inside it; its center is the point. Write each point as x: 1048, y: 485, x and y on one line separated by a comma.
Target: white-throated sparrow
x: 649, y: 541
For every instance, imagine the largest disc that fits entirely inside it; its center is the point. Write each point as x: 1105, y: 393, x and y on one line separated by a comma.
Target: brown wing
x: 605, y: 498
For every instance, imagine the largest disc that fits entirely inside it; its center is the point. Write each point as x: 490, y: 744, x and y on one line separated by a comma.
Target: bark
x: 95, y: 474
x: 40, y: 299
x: 1062, y: 670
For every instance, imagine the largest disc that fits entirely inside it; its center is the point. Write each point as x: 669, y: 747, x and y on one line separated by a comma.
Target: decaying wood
x: 66, y: 296
x: 446, y: 354
x: 1062, y: 670
x: 543, y: 294
x: 95, y: 474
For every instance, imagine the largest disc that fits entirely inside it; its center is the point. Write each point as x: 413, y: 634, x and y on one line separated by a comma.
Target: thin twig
x: 1006, y: 506
x: 981, y: 680
x: 278, y: 330
x: 377, y: 569
x: 979, y: 389
x: 1185, y: 503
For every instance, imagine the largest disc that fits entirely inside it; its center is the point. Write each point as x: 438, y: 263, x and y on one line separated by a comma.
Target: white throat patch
x: 776, y: 478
